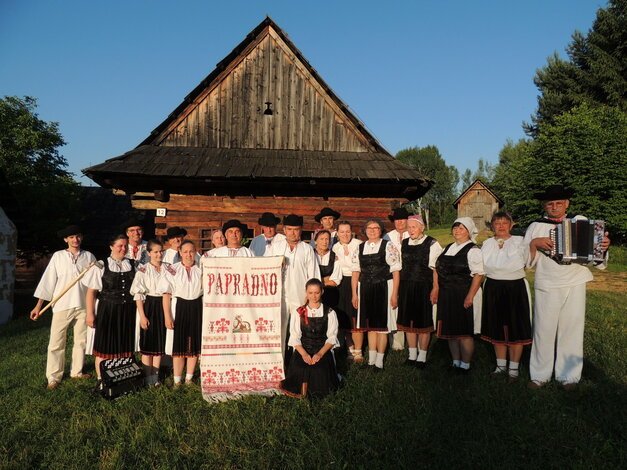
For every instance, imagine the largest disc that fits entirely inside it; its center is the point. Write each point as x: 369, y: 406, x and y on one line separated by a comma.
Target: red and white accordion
x: 577, y: 241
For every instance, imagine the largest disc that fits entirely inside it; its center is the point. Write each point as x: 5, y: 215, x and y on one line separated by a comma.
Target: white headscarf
x: 470, y: 226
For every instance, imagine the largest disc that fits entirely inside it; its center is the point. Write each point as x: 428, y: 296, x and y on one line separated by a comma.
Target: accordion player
x: 577, y: 241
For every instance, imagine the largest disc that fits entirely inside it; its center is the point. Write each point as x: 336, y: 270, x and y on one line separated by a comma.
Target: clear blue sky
x: 455, y: 74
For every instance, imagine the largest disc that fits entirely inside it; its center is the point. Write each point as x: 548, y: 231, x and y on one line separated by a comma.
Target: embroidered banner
x: 241, y: 328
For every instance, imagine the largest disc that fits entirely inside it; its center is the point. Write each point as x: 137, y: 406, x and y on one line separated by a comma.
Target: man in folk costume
x: 300, y: 266
x: 134, y: 230
x: 399, y: 218
x: 326, y: 218
x: 260, y: 243
x: 64, y: 267
x: 233, y: 231
x: 560, y: 299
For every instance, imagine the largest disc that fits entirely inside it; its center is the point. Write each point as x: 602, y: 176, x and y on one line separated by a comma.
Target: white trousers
x: 558, y: 325
x: 61, y: 321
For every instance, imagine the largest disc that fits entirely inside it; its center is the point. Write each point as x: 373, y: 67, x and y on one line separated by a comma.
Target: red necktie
x: 135, y: 250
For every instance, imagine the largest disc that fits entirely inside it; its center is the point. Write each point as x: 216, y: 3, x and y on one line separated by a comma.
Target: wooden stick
x: 68, y: 287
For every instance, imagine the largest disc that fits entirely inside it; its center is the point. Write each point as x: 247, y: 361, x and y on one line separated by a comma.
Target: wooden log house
x: 479, y: 203
x: 262, y: 132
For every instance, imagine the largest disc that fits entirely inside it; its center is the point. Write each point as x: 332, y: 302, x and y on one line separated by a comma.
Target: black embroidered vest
x: 374, y: 268
x: 454, y: 270
x: 116, y: 286
x: 416, y: 261
x: 314, y: 331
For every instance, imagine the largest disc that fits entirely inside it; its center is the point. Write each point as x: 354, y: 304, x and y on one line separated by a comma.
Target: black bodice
x: 374, y: 268
x: 314, y: 331
x: 116, y: 286
x: 327, y: 270
x: 416, y: 261
x: 454, y: 270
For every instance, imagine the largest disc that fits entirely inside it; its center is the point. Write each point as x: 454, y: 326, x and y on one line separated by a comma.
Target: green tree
x: 595, y: 72
x: 36, y: 173
x: 437, y: 203
x: 584, y: 149
x: 484, y: 172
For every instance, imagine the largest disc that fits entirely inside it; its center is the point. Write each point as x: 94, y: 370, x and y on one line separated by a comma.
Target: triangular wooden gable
x: 480, y: 185
x: 228, y: 108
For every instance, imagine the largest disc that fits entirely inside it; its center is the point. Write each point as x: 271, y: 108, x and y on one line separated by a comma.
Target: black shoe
x: 409, y: 362
x: 420, y: 364
x: 461, y: 371
x: 376, y: 369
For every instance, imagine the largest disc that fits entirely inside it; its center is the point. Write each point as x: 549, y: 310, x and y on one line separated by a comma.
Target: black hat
x: 132, y: 222
x: 69, y: 230
x: 293, y: 220
x: 174, y: 232
x: 326, y: 212
x: 555, y: 192
x: 234, y: 223
x: 268, y: 219
x: 398, y: 214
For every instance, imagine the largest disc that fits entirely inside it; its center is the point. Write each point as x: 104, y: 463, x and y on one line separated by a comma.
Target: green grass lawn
x: 400, y: 418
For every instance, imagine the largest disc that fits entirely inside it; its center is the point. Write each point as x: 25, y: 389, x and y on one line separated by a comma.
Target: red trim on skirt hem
x: 186, y: 354
x: 522, y: 342
x: 112, y: 356
x: 151, y: 354
x: 407, y: 329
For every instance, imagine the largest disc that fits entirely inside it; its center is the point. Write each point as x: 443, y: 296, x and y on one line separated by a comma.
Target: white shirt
x: 146, y: 280
x: 300, y: 266
x: 226, y: 252
x: 142, y: 255
x: 180, y: 282
x: 392, y: 255
x: 507, y: 263
x: 336, y: 274
x: 475, y: 260
x: 93, y: 278
x: 332, y: 326
x: 344, y: 259
x: 434, y: 251
x: 395, y: 237
x: 62, y: 269
x: 260, y: 243
x: 549, y: 274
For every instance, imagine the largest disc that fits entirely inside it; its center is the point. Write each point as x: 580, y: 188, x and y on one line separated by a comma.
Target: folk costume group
x: 337, y: 292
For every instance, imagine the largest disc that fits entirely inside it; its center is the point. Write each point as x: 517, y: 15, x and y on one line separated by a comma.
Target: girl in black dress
x: 114, y: 319
x: 313, y: 334
x: 150, y: 311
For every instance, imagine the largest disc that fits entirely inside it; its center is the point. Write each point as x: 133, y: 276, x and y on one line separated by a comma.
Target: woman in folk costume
x: 376, y: 266
x: 419, y: 253
x: 114, y: 317
x: 330, y: 269
x: 182, y: 306
x: 457, y: 291
x: 313, y: 335
x: 344, y: 250
x: 150, y: 310
x: 505, y: 321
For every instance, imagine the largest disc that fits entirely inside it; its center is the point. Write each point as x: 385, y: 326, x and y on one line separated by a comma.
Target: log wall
x: 201, y: 215
x: 479, y: 205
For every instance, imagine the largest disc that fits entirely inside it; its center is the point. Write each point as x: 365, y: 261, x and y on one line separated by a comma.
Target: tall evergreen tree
x: 595, y: 72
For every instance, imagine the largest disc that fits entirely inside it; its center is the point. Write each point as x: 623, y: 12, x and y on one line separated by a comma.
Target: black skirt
x: 505, y: 318
x: 315, y: 380
x: 115, y: 330
x: 415, y: 312
x: 373, y: 306
x: 453, y: 320
x: 346, y: 313
x: 152, y: 340
x: 187, y: 327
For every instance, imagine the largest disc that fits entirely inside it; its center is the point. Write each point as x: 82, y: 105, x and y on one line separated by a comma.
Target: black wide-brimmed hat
x: 132, y: 222
x: 268, y: 219
x: 234, y: 223
x: 69, y: 230
x: 399, y: 213
x: 326, y: 211
x: 174, y: 232
x: 555, y: 192
x: 293, y: 220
